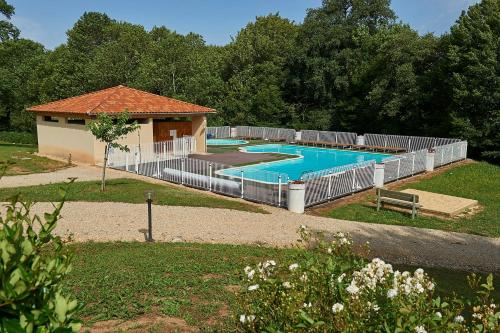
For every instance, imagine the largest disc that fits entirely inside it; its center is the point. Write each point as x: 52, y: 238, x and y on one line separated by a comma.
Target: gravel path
x: 82, y: 172
x: 126, y: 222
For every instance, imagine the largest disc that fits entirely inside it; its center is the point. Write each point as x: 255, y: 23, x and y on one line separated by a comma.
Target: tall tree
x: 7, y: 29
x: 473, y: 68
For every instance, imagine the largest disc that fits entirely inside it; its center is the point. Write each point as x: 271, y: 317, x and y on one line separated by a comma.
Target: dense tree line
x: 349, y: 66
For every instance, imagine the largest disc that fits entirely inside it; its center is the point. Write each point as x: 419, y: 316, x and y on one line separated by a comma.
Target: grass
x: 196, y: 282
x: 22, y: 160
x: 230, y: 148
x: 126, y: 190
x: 478, y: 180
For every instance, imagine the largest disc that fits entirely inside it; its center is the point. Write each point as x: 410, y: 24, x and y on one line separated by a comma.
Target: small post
x: 442, y: 156
x: 409, y: 144
x: 413, y: 164
x: 330, y: 186
x: 158, y: 166
x: 136, y: 162
x: 451, y: 159
x: 182, y: 171
x: 296, y: 196
x: 378, y: 175
x: 126, y: 161
x: 429, y: 160
x: 399, y: 167
x: 165, y: 151
x: 360, y: 140
x: 353, y: 179
x: 210, y: 176
x: 242, y: 178
x: 149, y: 195
x: 279, y: 191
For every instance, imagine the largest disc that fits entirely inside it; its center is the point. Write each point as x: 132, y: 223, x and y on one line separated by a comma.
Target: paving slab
x: 441, y: 204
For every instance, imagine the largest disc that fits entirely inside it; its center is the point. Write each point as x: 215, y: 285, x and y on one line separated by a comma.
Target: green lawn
x: 21, y: 160
x: 226, y: 149
x: 195, y: 282
x: 126, y: 190
x: 480, y: 181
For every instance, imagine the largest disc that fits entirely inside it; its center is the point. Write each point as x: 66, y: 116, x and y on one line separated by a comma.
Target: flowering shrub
x: 331, y: 289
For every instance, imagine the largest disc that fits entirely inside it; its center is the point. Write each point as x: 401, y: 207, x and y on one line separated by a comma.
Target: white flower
x: 287, y: 285
x: 492, y: 305
x: 293, y: 267
x: 352, y: 289
x: 303, y: 277
x: 329, y: 250
x: 420, y: 329
x: 419, y: 288
x: 439, y: 315
x: 419, y: 271
x: 376, y: 308
x: 253, y: 287
x: 459, y: 319
x: 307, y: 305
x: 337, y: 307
x: 341, y: 277
x: 477, y: 315
x: 244, y: 318
x: 251, y: 274
x: 430, y: 286
x: 391, y: 293
x: 247, y: 269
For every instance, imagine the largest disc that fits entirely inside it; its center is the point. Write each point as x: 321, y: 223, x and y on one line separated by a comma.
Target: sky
x: 216, y: 20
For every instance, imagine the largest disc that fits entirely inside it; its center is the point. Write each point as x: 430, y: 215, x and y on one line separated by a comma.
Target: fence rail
x: 266, y: 133
x: 449, y: 153
x: 328, y: 136
x: 325, y: 185
x: 411, y: 143
x: 221, y: 132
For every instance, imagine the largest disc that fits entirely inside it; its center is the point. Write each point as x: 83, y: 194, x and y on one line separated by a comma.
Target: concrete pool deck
x: 235, y: 158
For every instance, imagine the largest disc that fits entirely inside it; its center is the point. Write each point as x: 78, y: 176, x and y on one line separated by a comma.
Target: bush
x: 331, y: 289
x: 32, y: 265
x: 18, y: 137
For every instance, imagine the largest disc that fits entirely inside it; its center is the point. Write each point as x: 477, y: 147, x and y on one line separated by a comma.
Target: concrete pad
x: 442, y: 204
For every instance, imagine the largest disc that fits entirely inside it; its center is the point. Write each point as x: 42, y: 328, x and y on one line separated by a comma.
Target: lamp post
x: 149, y: 195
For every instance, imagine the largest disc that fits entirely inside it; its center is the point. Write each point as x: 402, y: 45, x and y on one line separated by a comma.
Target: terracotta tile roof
x: 118, y: 99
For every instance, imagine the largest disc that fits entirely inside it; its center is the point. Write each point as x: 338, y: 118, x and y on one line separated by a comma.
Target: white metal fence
x: 404, y: 165
x: 266, y: 133
x: 449, y: 153
x: 328, y: 136
x: 411, y: 143
x: 151, y: 152
x: 221, y: 132
x: 325, y: 185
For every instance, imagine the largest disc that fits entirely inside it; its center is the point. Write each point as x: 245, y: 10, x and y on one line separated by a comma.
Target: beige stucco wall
x: 199, y: 130
x: 143, y: 135
x: 61, y: 139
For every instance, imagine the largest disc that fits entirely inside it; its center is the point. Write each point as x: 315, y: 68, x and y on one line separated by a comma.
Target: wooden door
x: 161, y: 129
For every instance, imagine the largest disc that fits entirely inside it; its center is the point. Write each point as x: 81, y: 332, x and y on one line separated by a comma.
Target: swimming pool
x: 309, y: 159
x: 225, y: 142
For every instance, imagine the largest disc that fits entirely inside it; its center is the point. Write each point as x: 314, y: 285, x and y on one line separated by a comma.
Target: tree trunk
x: 103, y: 181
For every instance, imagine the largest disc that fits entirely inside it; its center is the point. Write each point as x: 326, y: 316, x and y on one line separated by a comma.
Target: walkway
x: 397, y: 244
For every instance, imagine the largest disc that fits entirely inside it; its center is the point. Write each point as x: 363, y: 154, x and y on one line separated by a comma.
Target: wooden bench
x: 396, y: 198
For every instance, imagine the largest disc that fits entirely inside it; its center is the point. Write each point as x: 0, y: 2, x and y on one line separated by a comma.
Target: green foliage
x: 349, y: 66
x: 18, y: 137
x: 473, y: 66
x: 330, y: 289
x: 33, y: 264
x: 7, y: 29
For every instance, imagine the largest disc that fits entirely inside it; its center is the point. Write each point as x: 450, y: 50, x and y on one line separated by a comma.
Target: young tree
x: 109, y: 130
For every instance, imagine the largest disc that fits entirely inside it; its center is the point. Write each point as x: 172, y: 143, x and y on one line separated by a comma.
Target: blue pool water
x: 311, y: 159
x: 225, y: 142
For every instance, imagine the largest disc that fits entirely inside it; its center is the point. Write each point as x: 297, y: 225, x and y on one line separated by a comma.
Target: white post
x: 126, y: 161
x: 442, y: 156
x: 296, y: 197
x: 360, y: 140
x: 353, y: 179
x: 242, y: 178
x: 409, y: 144
x: 233, y: 132
x: 429, y: 161
x: 461, y: 150
x: 165, y: 151
x: 136, y: 162
x: 279, y: 191
x: 336, y: 140
x: 158, y: 166
x: 378, y: 175
x: 210, y: 176
x: 182, y: 171
x: 413, y: 163
x: 330, y: 187
x: 399, y: 167
x: 451, y: 159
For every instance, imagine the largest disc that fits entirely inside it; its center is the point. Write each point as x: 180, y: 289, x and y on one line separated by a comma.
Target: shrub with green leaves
x: 18, y: 137
x: 33, y: 262
x: 329, y: 288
